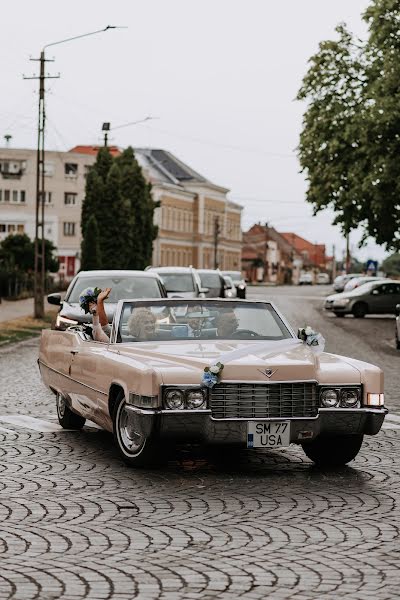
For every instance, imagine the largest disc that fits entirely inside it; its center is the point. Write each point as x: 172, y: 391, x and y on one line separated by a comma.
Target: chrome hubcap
x: 129, y: 432
x: 61, y: 405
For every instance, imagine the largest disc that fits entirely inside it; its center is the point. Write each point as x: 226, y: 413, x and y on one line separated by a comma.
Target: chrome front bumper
x: 199, y: 426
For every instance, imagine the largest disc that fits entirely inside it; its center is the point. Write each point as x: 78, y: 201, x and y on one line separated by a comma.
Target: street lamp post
x: 39, y: 265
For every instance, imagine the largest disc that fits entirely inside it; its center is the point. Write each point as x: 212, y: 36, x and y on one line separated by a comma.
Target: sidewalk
x: 18, y: 309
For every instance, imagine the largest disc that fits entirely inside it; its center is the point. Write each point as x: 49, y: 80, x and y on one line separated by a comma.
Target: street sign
x: 372, y: 265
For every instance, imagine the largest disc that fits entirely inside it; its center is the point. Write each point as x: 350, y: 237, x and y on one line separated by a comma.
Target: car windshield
x: 178, y: 282
x: 210, y: 280
x: 200, y: 319
x: 121, y: 287
x: 236, y: 275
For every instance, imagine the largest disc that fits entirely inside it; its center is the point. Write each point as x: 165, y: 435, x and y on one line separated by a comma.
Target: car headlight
x: 241, y: 286
x: 228, y: 294
x: 174, y: 399
x: 195, y: 399
x: 341, y: 302
x: 349, y: 398
x: 65, y: 322
x: 329, y: 398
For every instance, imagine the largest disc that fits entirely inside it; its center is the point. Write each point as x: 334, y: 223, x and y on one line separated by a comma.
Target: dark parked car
x: 213, y: 281
x: 180, y: 282
x: 370, y: 298
x: 124, y: 284
x: 239, y: 282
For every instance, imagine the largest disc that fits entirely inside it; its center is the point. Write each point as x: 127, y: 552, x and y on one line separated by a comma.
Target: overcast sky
x: 220, y: 76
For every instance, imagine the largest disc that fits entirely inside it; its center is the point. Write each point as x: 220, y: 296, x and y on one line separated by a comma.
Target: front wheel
x: 135, y: 448
x: 333, y: 450
x: 360, y: 310
x: 67, y: 418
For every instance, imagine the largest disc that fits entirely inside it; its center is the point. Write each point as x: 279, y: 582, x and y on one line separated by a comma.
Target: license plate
x: 274, y: 434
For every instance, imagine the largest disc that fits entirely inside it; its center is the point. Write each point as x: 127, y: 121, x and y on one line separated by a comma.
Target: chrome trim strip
x: 361, y: 411
x: 183, y: 411
x: 262, y: 419
x: 71, y: 378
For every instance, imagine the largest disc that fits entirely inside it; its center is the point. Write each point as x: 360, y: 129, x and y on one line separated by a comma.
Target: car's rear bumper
x: 199, y: 426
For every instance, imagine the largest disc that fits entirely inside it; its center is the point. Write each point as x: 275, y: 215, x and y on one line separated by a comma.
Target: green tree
x: 114, y: 224
x: 90, y: 247
x: 350, y: 141
x: 391, y: 265
x: 137, y: 192
x: 95, y: 187
x: 17, y: 253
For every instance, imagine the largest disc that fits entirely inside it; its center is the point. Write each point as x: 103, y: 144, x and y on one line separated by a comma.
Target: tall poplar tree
x: 90, y: 247
x: 137, y: 191
x: 119, y: 198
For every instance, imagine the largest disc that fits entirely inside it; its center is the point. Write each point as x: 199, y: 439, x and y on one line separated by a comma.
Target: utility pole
x: 333, y: 262
x: 348, y: 258
x: 40, y: 245
x: 39, y: 282
x: 217, y: 231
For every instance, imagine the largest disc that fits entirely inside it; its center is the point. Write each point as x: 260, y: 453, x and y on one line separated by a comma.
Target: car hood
x: 72, y: 310
x: 350, y: 294
x: 183, y: 362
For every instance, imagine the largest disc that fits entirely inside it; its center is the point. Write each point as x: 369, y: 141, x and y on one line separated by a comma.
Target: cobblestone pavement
x: 76, y: 523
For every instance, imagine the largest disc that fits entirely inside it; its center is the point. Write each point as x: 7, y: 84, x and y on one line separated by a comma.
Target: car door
x: 381, y: 299
x: 86, y: 372
x: 393, y: 296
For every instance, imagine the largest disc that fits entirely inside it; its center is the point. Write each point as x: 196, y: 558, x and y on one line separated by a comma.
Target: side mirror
x: 397, y: 310
x: 54, y: 299
x: 204, y: 290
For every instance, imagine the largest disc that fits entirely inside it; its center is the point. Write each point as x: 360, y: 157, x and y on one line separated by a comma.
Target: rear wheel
x: 67, y: 418
x: 360, y: 310
x: 135, y: 448
x: 333, y: 450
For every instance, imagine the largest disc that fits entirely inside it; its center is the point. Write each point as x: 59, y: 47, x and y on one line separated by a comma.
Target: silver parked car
x: 181, y: 282
x: 341, y: 280
x: 355, y: 282
x: 123, y: 284
x: 371, y: 298
x: 239, y: 282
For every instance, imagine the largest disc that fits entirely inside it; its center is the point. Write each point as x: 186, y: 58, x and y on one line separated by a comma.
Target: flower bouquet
x: 212, y: 375
x: 88, y: 296
x: 311, y: 338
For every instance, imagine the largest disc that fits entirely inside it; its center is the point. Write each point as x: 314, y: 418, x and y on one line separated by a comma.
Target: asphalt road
x: 76, y: 523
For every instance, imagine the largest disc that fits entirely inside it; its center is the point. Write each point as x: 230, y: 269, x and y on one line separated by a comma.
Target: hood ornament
x: 267, y: 372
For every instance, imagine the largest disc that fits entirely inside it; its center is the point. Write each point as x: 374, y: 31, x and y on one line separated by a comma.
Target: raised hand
x: 103, y: 295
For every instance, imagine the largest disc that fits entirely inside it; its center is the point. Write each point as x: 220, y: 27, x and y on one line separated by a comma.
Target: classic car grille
x: 264, y: 400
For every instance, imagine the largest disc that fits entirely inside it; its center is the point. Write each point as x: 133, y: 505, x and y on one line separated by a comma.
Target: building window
x: 2, y: 227
x: 11, y: 228
x: 71, y: 169
x: 15, y: 196
x: 69, y: 198
x: 48, y: 169
x: 48, y: 197
x: 1, y: 195
x: 20, y: 228
x: 6, y: 195
x: 22, y: 196
x: 69, y: 229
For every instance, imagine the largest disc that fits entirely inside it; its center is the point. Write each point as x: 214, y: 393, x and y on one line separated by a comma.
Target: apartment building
x: 64, y: 191
x: 190, y: 206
